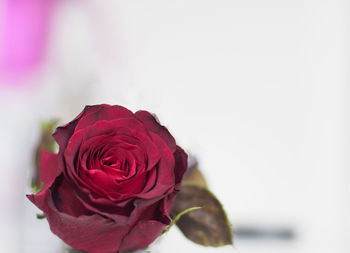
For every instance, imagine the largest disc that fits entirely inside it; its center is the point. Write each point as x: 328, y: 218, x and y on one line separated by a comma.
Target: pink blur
x: 24, y: 36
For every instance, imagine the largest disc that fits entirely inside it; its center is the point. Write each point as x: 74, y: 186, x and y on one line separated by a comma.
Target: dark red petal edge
x: 152, y: 124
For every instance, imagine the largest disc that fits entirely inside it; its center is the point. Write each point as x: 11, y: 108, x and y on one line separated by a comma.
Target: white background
x: 258, y: 90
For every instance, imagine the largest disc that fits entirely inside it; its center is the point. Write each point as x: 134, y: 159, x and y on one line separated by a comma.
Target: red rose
x: 113, y: 183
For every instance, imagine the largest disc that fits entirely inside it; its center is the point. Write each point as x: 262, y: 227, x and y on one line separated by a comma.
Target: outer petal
x: 66, y: 199
x: 63, y: 196
x: 39, y: 199
x: 63, y: 133
x: 151, y: 209
x: 48, y: 167
x: 93, y: 234
x: 151, y: 124
x: 165, y: 171
x: 180, y: 166
x: 103, y: 112
x: 142, y: 235
x: 168, y: 204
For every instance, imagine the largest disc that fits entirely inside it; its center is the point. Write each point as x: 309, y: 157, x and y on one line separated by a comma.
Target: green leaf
x: 49, y: 125
x: 35, y: 188
x: 208, y: 226
x: 179, y: 215
x: 75, y: 251
x: 40, y: 216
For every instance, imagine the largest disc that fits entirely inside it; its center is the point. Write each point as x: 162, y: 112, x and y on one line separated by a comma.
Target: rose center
x: 114, y: 167
x: 112, y: 163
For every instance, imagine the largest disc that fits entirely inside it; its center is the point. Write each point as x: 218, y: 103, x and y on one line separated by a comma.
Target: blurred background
x: 257, y: 90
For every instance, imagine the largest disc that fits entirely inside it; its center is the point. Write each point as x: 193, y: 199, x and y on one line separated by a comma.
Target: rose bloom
x: 112, y: 185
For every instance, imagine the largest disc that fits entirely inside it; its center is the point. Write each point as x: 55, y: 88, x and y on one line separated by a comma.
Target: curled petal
x: 165, y: 172
x: 152, y: 124
x: 103, y: 112
x: 63, y: 133
x: 66, y: 199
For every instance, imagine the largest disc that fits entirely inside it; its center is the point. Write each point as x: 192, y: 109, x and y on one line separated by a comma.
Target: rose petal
x: 149, y: 209
x: 118, y: 211
x: 142, y: 235
x: 108, y: 209
x: 104, y: 112
x: 39, y: 199
x: 66, y: 200
x: 165, y: 171
x: 151, y: 180
x: 151, y: 123
x: 93, y: 234
x: 63, y: 133
x: 180, y: 166
x: 48, y: 167
x: 168, y: 203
